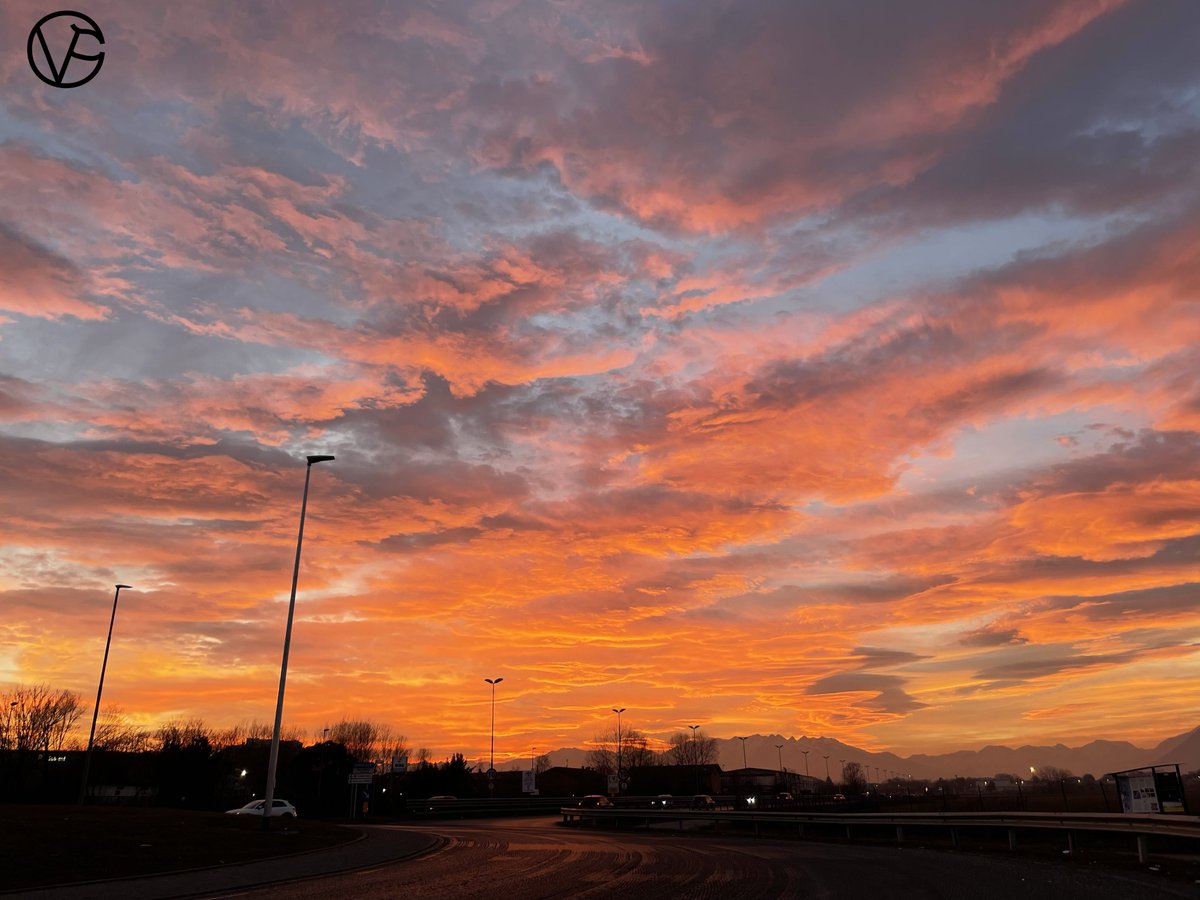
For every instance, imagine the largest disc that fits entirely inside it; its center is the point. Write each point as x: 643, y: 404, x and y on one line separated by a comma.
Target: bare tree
x: 634, y: 751
x: 39, y: 717
x: 691, y: 750
x: 116, y: 732
x: 853, y: 780
x: 542, y: 763
x: 367, y: 741
x: 176, y: 734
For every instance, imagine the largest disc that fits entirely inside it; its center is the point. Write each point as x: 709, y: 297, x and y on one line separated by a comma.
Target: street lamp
x: 805, y: 752
x: 87, y: 759
x: 492, y: 766
x: 273, y: 762
x: 695, y: 755
x: 827, y: 778
x: 321, y: 775
x: 779, y: 748
x: 618, y: 712
x: 745, y: 765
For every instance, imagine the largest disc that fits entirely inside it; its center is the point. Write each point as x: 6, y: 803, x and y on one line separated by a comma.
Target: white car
x: 255, y: 808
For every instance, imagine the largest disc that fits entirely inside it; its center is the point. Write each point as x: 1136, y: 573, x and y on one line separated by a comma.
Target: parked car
x: 703, y: 801
x: 255, y: 808
x: 662, y: 801
x: 594, y: 801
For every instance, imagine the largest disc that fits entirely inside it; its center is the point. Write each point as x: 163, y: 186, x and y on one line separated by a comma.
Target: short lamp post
x: 273, y: 761
x: 87, y: 757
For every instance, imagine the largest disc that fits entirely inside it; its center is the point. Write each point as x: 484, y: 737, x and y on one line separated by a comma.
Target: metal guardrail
x: 484, y: 806
x: 1140, y: 827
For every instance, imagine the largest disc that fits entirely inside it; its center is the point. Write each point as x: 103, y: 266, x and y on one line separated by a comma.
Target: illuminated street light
x: 87, y: 759
x: 287, y: 644
x: 492, y: 766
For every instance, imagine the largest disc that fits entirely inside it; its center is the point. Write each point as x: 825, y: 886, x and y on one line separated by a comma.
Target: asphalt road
x: 524, y: 860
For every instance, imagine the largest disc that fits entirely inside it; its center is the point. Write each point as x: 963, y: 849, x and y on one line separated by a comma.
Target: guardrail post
x: 1070, y: 843
x: 1143, y: 847
x: 849, y: 835
x: 1012, y: 839
x: 954, y: 837
x: 899, y: 834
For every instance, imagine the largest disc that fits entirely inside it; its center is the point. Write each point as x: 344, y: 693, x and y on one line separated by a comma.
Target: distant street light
x: 618, y: 712
x: 492, y: 766
x: 827, y: 778
x: 87, y: 759
x: 273, y: 762
x: 695, y: 755
x: 805, y: 752
x: 779, y: 748
x: 745, y: 765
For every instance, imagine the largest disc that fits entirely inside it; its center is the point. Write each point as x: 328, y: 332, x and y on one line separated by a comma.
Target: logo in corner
x: 51, y: 37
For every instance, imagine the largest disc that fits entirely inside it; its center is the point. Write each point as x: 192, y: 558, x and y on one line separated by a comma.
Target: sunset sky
x: 825, y: 367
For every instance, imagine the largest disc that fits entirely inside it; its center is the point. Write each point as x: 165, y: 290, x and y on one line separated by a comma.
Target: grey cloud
x: 890, y: 695
x: 992, y: 636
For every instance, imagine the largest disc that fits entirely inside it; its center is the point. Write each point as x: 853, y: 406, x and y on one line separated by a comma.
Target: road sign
x: 612, y: 784
x: 363, y: 773
x: 400, y: 764
x: 528, y: 785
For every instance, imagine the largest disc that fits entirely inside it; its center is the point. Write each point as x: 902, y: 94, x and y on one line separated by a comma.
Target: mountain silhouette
x: 1097, y: 757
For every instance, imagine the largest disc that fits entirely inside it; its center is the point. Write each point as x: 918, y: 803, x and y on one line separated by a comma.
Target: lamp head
x: 119, y: 586
x: 317, y: 459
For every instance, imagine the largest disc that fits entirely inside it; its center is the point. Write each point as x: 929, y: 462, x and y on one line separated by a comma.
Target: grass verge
x: 46, y: 845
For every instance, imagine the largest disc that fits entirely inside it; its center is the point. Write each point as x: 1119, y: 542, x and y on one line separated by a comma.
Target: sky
x: 814, y: 368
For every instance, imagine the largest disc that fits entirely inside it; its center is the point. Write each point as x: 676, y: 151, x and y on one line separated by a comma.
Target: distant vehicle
x: 703, y: 801
x: 785, y: 797
x: 255, y: 808
x: 594, y: 801
x: 663, y: 801
x: 839, y: 798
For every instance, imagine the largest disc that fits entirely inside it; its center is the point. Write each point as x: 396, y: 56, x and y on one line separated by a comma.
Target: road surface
x: 515, y: 859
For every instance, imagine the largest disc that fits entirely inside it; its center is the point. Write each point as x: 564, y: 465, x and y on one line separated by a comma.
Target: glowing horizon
x: 774, y: 368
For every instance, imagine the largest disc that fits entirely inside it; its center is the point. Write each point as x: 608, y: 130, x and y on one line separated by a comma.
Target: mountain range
x: 1097, y: 757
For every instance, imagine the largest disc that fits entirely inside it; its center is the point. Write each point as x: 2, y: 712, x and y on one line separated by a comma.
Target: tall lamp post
x: 618, y: 712
x: 779, y: 748
x: 827, y: 778
x: 695, y: 755
x: 805, y: 752
x: 492, y: 765
x: 87, y: 759
x: 745, y: 765
x: 273, y: 762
